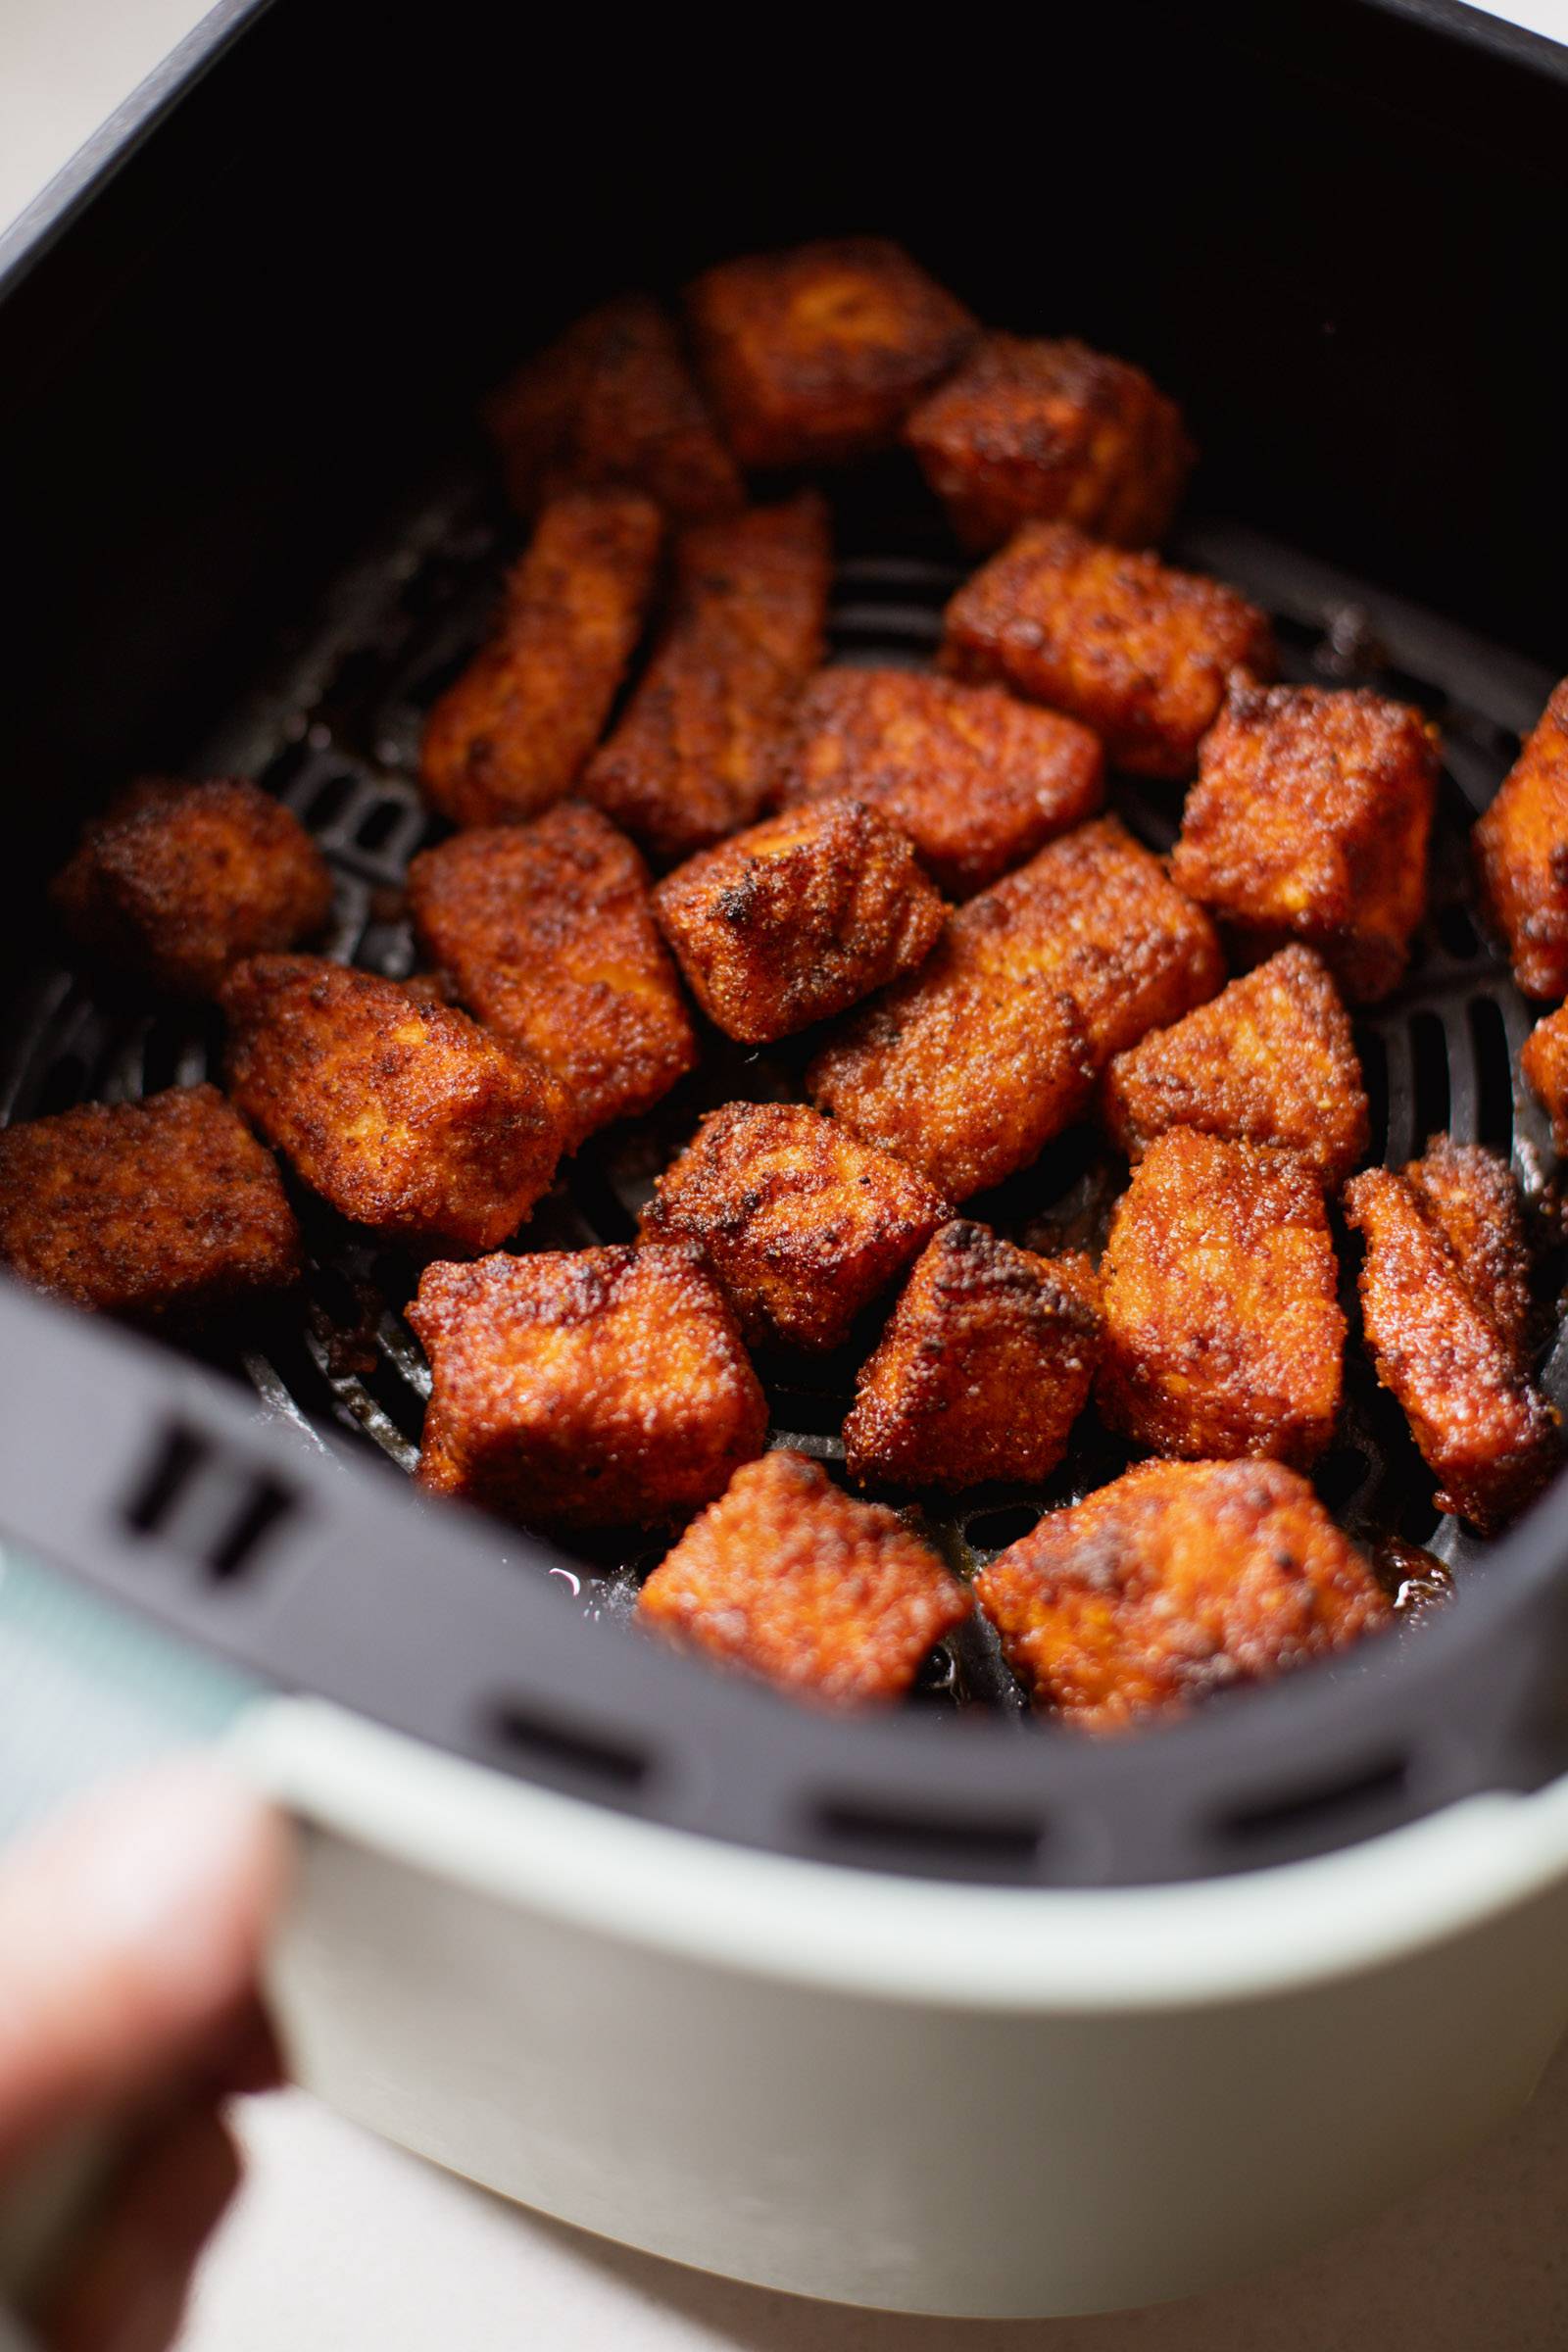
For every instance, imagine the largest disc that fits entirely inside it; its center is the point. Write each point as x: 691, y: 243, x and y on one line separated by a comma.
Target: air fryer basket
x: 215, y: 1508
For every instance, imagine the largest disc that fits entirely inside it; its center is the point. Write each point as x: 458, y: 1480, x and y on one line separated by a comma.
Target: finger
x: 126, y: 2289
x: 129, y: 1937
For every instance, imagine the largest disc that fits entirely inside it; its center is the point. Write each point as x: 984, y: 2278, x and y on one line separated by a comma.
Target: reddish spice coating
x: 1034, y: 430
x: 977, y: 780
x: 547, y: 933
x: 1139, y: 652
x: 1470, y: 1195
x: 1309, y: 820
x: 690, y: 760
x: 166, y: 1209
x: 1544, y: 1059
x: 1444, y: 1308
x: 514, y: 731
x: 1178, y: 1579
x: 1521, y: 847
x: 405, y: 1116
x: 802, y: 1223
x: 788, y: 1579
x: 970, y: 1066
x: 179, y: 881
x: 613, y: 402
x: 984, y: 1365
x: 964, y: 1071
x: 1269, y: 1060
x: 798, y: 919
x: 814, y: 354
x: 594, y: 1388
x: 1223, y: 1331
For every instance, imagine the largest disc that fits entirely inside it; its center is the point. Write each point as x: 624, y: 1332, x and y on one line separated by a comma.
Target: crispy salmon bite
x: 1031, y: 430
x: 590, y: 1388
x: 977, y: 779
x: 801, y: 1222
x: 1134, y: 649
x: 546, y: 932
x: 969, y: 1067
x: 798, y: 919
x: 1310, y: 821
x: 1444, y: 1309
x: 165, y: 1210
x: 515, y: 730
x: 612, y: 402
x: 789, y: 1580
x: 1544, y: 1059
x: 1223, y: 1330
x: 405, y: 1116
x: 691, y: 757
x: 814, y: 355
x: 1271, y: 1060
x: 1521, y: 849
x: 986, y: 1364
x: 1178, y: 1579
x: 178, y: 881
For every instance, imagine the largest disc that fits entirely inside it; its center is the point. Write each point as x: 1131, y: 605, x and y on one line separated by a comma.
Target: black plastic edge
x: 450, y: 1627
x: 81, y: 179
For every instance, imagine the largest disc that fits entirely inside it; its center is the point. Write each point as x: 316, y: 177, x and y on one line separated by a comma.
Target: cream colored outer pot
x: 928, y: 2097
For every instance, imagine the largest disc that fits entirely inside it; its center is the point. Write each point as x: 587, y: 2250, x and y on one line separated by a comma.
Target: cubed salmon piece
x: 1030, y: 430
x: 691, y: 759
x: 969, y: 1067
x: 1521, y: 847
x: 1444, y: 1315
x: 976, y: 778
x: 1223, y: 1330
x: 964, y: 1071
x: 406, y: 1116
x: 590, y: 1388
x: 801, y: 1222
x: 547, y: 933
x: 1545, y: 1063
x: 613, y: 402
x: 1139, y: 652
x: 1309, y: 821
x: 167, y: 1210
x: 986, y: 1364
x: 1178, y: 1579
x: 798, y: 919
x: 815, y: 353
x: 1470, y: 1194
x: 786, y: 1578
x: 515, y: 730
x: 179, y: 881
x: 1269, y: 1060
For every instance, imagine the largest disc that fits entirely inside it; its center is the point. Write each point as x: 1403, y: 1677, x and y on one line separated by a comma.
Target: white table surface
x: 339, y: 2242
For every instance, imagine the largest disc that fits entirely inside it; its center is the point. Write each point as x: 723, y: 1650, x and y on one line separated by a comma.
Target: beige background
x: 339, y: 2242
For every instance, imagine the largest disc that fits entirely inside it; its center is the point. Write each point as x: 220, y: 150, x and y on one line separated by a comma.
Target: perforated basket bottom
x: 335, y: 735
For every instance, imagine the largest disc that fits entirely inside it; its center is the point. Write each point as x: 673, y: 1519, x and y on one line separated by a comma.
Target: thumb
x: 130, y: 1936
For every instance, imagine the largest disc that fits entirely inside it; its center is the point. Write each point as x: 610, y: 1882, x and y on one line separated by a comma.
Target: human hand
x: 130, y: 1933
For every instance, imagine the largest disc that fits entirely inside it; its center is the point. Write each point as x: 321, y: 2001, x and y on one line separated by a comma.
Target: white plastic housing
x: 926, y: 2097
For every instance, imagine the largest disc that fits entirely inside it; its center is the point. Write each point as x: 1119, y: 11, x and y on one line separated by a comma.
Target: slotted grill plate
x: 336, y: 734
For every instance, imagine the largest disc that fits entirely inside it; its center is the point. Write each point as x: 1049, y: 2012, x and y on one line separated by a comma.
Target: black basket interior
x: 1332, y: 233
x: 335, y: 732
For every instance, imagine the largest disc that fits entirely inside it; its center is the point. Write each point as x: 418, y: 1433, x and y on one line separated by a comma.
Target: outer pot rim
x: 875, y: 1936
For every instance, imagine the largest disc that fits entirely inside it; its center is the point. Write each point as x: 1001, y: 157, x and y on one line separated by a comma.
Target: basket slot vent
x: 567, y: 1750
x: 996, y: 1845
x: 1429, y: 1059
x: 1489, y: 1040
x: 198, y: 1501
x: 1303, y: 1812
